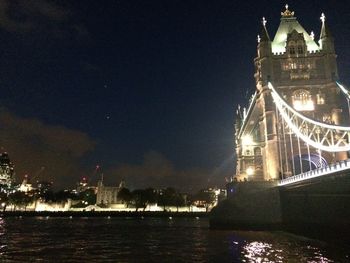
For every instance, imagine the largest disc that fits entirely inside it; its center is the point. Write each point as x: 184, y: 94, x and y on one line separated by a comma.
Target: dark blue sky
x: 140, y: 78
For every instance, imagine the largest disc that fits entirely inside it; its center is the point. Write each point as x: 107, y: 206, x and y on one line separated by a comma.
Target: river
x: 41, y: 239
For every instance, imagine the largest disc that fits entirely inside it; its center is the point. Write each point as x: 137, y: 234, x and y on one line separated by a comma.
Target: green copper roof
x: 287, y: 25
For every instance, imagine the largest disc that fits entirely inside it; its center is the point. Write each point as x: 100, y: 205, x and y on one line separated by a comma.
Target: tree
x: 151, y: 196
x: 85, y: 198
x: 19, y: 199
x: 125, y: 196
x: 179, y: 201
x: 47, y: 196
x: 139, y: 198
x: 3, y: 200
x: 167, y: 197
x: 63, y: 196
x: 88, y: 196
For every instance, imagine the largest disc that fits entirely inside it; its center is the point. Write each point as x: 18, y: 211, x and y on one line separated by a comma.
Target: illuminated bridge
x: 292, y: 142
x: 312, y: 134
x: 296, y: 126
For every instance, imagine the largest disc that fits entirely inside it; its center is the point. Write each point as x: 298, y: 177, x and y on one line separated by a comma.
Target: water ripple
x: 152, y: 240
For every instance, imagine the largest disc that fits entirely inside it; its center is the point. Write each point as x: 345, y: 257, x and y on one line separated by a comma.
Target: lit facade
x: 107, y: 195
x: 6, y: 170
x: 304, y: 73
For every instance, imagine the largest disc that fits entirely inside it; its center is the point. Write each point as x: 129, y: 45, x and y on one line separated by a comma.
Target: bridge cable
x: 307, y: 134
x: 279, y: 141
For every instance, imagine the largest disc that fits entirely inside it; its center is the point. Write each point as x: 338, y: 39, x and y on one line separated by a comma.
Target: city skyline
x: 145, y: 90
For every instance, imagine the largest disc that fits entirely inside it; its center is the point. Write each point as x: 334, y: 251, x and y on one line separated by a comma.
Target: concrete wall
x: 254, y: 206
x: 324, y: 202
x: 319, y: 206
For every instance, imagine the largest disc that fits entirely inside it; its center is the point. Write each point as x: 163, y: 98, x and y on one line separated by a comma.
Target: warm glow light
x: 280, y: 103
x: 247, y: 140
x: 307, y: 105
x: 250, y: 171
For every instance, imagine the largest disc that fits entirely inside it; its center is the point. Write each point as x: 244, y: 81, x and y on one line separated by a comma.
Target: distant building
x: 107, y: 195
x: 25, y: 185
x: 6, y: 170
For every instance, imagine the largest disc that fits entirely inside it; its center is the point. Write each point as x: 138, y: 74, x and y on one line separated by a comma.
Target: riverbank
x: 102, y: 214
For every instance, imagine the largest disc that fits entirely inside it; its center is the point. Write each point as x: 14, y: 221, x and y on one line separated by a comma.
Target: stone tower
x: 304, y: 72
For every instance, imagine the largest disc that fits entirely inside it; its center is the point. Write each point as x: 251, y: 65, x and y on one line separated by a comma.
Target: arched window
x: 302, y: 101
x: 292, y: 50
x: 300, y: 50
x: 300, y: 47
x: 291, y: 47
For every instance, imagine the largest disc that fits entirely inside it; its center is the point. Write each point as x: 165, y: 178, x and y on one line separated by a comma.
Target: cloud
x: 32, y: 144
x: 39, y: 16
x: 157, y: 171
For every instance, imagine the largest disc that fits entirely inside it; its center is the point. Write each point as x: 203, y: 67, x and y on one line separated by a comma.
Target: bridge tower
x: 304, y: 73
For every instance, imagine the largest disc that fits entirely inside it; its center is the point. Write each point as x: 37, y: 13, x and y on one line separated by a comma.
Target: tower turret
x: 264, y: 52
x: 264, y: 42
x: 326, y: 40
x: 264, y: 35
x: 326, y: 43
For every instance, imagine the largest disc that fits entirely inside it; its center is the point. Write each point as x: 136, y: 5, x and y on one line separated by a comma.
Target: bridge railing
x: 336, y: 167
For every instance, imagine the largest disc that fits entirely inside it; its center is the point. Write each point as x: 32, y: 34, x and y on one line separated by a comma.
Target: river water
x: 153, y: 240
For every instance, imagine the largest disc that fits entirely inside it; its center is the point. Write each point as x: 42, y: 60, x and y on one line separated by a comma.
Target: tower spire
x: 326, y: 39
x: 264, y: 35
x: 325, y: 32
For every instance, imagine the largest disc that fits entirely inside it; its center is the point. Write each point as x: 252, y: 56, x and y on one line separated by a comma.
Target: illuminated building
x: 107, y: 195
x: 25, y: 185
x: 304, y: 73
x: 6, y: 170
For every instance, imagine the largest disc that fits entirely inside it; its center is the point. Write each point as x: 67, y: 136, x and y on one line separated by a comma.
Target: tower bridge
x: 293, y: 140
x: 296, y: 126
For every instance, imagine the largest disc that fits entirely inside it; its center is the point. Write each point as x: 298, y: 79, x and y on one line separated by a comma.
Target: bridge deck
x: 333, y: 168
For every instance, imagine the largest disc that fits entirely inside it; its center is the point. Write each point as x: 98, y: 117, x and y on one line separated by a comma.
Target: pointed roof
x: 264, y: 35
x: 289, y: 23
x: 325, y: 32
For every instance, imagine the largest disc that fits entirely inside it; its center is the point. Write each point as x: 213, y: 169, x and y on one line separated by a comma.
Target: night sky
x: 145, y: 89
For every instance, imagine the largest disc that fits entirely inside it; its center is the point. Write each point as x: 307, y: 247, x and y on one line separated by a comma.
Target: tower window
x: 292, y: 50
x: 257, y: 151
x: 320, y: 98
x: 302, y: 101
x: 300, y: 50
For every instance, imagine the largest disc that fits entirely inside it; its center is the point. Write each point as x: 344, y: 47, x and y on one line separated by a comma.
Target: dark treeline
x: 138, y: 198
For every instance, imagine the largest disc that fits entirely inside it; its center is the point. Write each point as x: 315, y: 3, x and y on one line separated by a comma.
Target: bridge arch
x: 305, y: 162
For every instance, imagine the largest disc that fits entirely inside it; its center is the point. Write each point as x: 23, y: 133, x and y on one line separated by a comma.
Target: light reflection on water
x: 152, y: 240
